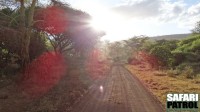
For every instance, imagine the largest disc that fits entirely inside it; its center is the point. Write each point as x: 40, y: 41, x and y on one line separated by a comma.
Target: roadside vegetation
x: 163, y: 65
x: 159, y: 82
x: 47, y: 50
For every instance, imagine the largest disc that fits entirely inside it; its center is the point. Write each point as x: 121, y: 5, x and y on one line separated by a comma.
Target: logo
x: 182, y: 103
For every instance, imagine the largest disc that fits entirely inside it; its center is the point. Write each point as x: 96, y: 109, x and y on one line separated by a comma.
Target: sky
x: 122, y: 19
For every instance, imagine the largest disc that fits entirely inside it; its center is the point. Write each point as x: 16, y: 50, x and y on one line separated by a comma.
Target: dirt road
x: 120, y: 91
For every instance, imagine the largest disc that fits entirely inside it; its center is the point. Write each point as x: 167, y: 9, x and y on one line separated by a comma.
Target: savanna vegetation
x: 178, y: 56
x: 49, y: 51
x: 163, y: 65
x: 46, y: 47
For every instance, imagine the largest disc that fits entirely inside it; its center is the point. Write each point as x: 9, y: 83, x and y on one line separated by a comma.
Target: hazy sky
x: 123, y: 19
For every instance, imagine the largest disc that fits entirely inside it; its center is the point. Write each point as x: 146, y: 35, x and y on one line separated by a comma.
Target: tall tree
x: 67, y: 28
x: 26, y: 30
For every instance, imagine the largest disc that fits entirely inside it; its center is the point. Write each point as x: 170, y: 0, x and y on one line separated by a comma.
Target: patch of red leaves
x: 153, y: 61
x: 51, y: 19
x: 95, y: 67
x: 43, y: 74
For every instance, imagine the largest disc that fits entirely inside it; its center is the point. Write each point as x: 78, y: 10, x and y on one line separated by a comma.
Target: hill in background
x: 171, y: 37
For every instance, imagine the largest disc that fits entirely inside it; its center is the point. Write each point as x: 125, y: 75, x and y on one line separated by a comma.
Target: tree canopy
x: 27, y: 29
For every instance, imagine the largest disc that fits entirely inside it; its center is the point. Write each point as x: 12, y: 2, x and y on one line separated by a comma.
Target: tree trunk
x: 26, y: 31
x: 23, y: 32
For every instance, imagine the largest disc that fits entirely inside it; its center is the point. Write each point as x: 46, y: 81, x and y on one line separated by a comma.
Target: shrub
x: 152, y: 60
x: 133, y: 61
x: 173, y: 73
x: 182, y: 66
x: 163, y: 54
x: 130, y: 60
x: 189, y: 72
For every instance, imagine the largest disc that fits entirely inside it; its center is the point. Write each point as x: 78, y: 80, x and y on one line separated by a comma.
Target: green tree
x: 163, y: 53
x: 188, y: 49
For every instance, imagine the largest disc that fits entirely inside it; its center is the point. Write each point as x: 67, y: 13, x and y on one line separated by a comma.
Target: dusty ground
x: 120, y: 91
x: 59, y: 99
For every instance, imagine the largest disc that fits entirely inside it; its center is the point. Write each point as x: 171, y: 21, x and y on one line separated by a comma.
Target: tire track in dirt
x: 118, y: 92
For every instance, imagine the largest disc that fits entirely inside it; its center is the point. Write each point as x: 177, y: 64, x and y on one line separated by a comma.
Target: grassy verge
x: 69, y: 89
x: 160, y: 83
x: 65, y: 94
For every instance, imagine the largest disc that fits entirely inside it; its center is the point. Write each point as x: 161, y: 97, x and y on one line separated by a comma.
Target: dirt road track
x: 118, y: 92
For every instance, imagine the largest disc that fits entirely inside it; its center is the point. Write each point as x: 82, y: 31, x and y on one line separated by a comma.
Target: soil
x: 120, y: 91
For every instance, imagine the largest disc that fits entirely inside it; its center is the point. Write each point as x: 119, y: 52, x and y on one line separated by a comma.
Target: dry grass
x: 160, y: 83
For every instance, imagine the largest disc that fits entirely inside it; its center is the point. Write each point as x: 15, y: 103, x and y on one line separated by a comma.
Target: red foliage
x: 52, y: 20
x: 146, y: 57
x: 94, y: 66
x: 133, y: 61
x: 43, y: 74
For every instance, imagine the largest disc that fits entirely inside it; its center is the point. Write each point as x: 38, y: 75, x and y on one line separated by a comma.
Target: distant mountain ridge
x: 171, y: 37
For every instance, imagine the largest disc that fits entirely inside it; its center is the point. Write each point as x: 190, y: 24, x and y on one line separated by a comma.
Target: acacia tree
x: 66, y: 28
x: 52, y: 21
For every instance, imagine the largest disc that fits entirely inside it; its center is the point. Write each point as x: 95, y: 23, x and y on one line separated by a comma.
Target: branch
x: 31, y: 13
x: 67, y: 49
x: 54, y: 46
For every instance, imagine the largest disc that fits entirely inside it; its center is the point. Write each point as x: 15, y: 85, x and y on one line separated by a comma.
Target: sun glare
x: 103, y: 19
x: 98, y: 24
x: 106, y: 21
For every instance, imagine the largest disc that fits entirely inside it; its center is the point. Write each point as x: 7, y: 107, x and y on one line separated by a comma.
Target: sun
x: 99, y: 13
x: 104, y: 19
x: 98, y: 23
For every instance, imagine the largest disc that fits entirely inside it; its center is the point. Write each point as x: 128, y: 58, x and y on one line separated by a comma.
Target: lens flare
x: 101, y: 89
x: 52, y: 20
x: 43, y: 74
